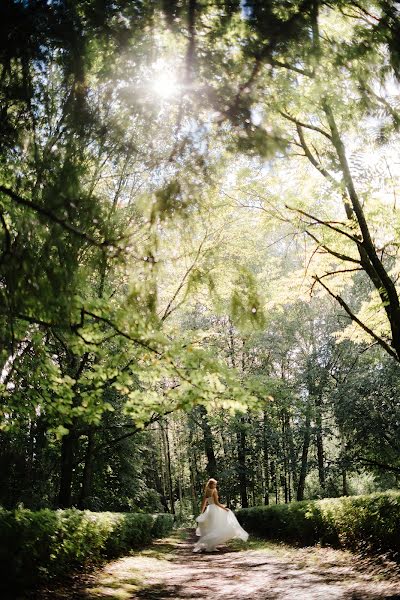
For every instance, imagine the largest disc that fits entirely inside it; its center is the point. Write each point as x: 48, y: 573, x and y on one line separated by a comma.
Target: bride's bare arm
x: 217, y: 502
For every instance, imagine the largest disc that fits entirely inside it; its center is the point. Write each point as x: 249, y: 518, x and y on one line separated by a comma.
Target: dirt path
x: 258, y: 571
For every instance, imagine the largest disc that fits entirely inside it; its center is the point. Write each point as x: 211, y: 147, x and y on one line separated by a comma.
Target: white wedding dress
x: 216, y: 526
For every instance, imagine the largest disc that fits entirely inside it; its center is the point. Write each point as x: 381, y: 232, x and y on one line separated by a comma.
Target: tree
x: 291, y: 86
x: 157, y: 241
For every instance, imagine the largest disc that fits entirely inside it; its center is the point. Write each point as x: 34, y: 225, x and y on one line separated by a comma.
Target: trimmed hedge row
x: 38, y: 546
x: 368, y: 523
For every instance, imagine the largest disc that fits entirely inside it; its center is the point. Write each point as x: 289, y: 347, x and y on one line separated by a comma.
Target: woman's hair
x: 211, y: 480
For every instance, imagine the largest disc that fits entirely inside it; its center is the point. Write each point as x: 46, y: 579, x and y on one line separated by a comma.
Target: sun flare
x: 166, y: 85
x: 165, y: 82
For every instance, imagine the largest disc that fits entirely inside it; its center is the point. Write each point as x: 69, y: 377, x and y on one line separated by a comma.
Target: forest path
x: 257, y: 571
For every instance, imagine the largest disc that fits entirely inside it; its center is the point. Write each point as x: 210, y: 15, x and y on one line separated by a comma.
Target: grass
x: 256, y: 543
x: 160, y: 550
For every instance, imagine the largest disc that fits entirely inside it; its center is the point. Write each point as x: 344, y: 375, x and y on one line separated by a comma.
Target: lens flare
x: 165, y: 82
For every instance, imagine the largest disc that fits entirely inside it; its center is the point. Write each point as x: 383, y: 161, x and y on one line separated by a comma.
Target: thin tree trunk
x: 285, y: 458
x: 241, y: 467
x: 87, y: 472
x: 30, y: 467
x: 266, y: 459
x: 66, y: 471
x: 304, y: 454
x: 345, y: 489
x: 212, y: 469
x: 193, y: 496
x: 226, y: 444
x: 163, y: 477
x: 253, y: 492
x: 177, y: 444
x: 292, y: 466
x: 320, y: 442
x: 274, y: 477
x: 169, y: 469
x: 192, y: 467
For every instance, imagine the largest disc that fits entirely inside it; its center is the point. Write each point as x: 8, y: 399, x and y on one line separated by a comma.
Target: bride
x: 216, y: 523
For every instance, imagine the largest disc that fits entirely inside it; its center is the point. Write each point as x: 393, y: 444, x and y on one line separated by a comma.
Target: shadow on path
x: 170, y: 570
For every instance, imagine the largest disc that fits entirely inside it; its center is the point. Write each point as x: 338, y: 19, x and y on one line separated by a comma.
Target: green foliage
x: 38, y: 546
x: 153, y: 251
x: 361, y: 523
x: 368, y: 412
x: 162, y: 525
x: 246, y: 306
x: 287, y: 522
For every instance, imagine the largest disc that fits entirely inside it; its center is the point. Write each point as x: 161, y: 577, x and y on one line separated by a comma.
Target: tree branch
x: 44, y: 212
x: 36, y: 321
x: 169, y: 308
x: 354, y: 318
x: 333, y: 252
x: 368, y: 253
x: 306, y: 125
x: 120, y: 332
x: 277, y: 63
x: 325, y: 223
x: 154, y: 419
x: 340, y: 271
x: 376, y: 463
x: 312, y: 158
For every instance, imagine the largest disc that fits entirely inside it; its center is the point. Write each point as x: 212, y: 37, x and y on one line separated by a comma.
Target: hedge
x: 370, y: 523
x: 38, y: 546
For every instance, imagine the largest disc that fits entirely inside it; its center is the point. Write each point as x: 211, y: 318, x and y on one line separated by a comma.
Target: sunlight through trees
x: 199, y: 238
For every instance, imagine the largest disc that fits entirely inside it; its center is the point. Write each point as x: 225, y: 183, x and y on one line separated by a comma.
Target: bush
x: 38, y: 546
x: 163, y: 524
x: 362, y: 523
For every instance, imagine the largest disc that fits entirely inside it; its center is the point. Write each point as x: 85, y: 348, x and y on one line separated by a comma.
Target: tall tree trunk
x: 241, y: 466
x: 178, y: 443
x: 69, y: 441
x: 285, y: 457
x: 320, y: 441
x: 226, y: 443
x: 192, y: 466
x: 66, y: 470
x: 274, y: 477
x: 345, y: 489
x: 193, y: 495
x: 89, y: 454
x: 266, y: 459
x: 87, y: 472
x: 169, y: 468
x: 253, y: 491
x: 292, y: 467
x: 344, y: 465
x: 30, y: 457
x: 208, y: 443
x: 180, y: 495
x: 320, y: 455
x: 162, y: 475
x: 304, y: 453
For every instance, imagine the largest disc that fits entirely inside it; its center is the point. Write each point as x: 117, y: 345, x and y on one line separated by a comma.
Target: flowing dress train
x: 216, y: 526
